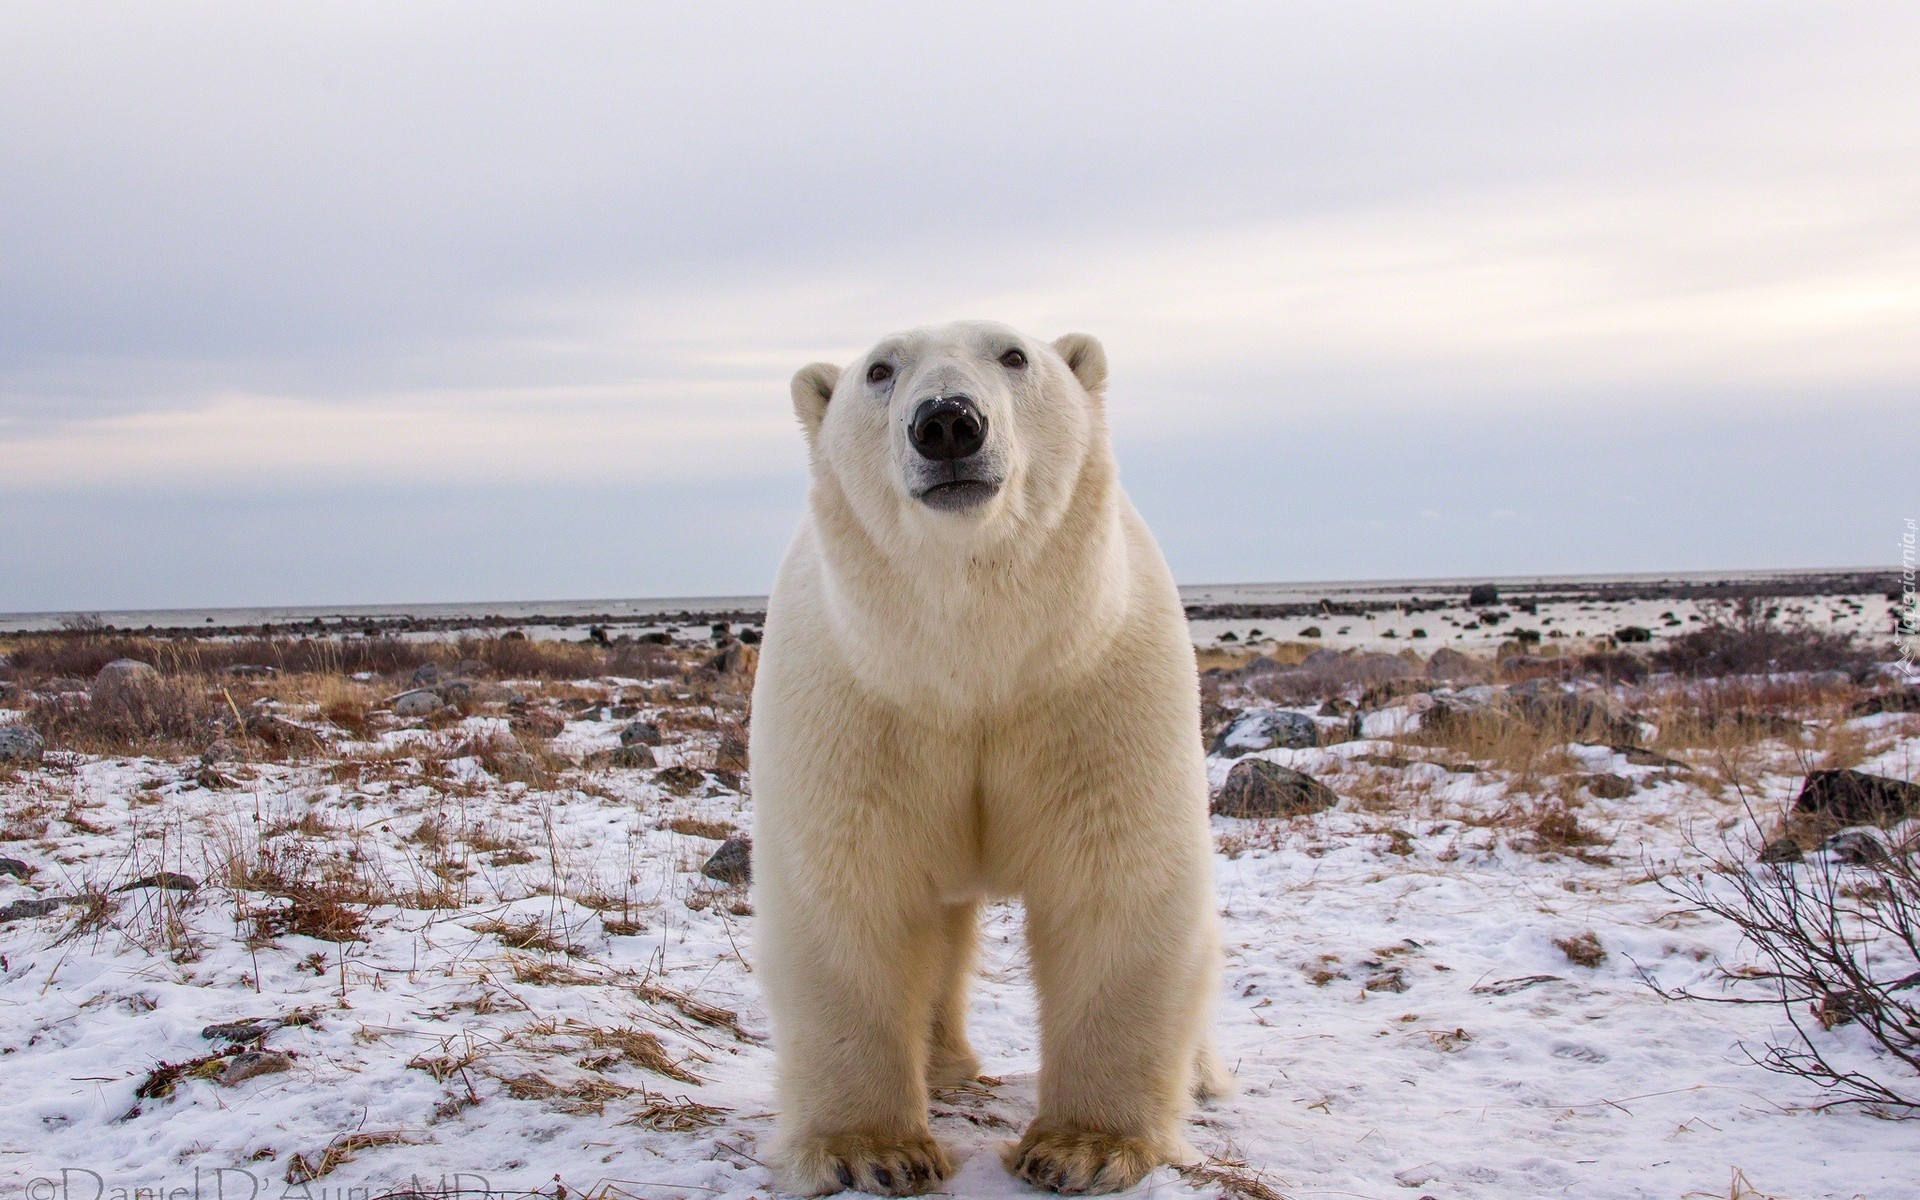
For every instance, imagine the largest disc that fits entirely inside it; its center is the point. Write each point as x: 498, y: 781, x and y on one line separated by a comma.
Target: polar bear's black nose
x: 948, y: 427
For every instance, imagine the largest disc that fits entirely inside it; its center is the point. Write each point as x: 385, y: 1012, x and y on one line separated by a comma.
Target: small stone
x: 733, y: 658
x: 1482, y: 594
x: 15, y: 868
x: 1258, y: 788
x: 21, y: 909
x: 250, y: 1063
x: 732, y: 863
x: 20, y: 744
x: 171, y: 881
x: 537, y: 722
x: 1858, y: 847
x: 629, y: 757
x: 418, y: 702
x: 732, y: 754
x: 680, y: 780
x: 1781, y: 850
x: 640, y: 733
x: 1608, y: 787
x: 250, y: 1030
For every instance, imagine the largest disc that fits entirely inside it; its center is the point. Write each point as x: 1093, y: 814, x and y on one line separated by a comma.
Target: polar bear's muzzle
x: 949, y: 434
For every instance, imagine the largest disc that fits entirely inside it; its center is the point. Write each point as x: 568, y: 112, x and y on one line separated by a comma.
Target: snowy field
x: 478, y: 967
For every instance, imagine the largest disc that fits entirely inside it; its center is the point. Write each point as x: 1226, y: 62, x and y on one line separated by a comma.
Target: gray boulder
x: 639, y: 754
x: 121, y: 678
x: 732, y: 863
x: 1448, y: 663
x: 18, y: 744
x: 22, y: 909
x: 1264, y: 729
x: 417, y: 703
x: 1258, y: 788
x: 1861, y: 846
x: 640, y: 733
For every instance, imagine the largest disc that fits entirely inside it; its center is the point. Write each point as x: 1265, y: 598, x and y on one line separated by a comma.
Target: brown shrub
x: 1750, y: 639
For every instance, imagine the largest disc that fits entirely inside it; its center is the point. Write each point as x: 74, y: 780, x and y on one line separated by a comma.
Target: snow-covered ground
x: 1554, y: 620
x: 1396, y: 1010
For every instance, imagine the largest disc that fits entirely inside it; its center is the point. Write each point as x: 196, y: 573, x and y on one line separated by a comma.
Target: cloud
x: 480, y: 244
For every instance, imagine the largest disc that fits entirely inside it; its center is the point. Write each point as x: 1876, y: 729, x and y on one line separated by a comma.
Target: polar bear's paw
x: 1081, y: 1162
x: 901, y: 1166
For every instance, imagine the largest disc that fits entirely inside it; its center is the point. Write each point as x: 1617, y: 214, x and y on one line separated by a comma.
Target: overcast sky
x: 413, y: 302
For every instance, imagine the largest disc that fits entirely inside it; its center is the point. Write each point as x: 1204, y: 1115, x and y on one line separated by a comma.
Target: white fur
x: 953, y: 705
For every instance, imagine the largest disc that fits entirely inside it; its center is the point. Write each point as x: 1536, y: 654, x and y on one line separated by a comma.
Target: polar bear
x: 977, y: 681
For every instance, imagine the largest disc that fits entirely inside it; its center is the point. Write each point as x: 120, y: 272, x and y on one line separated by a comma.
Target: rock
x: 122, y: 677
x: 1265, y: 728
x: 250, y: 1030
x: 15, y: 868
x: 733, y: 658
x: 211, y: 779
x: 1861, y: 846
x: 250, y: 1063
x: 428, y: 675
x: 1382, y: 694
x: 1640, y: 757
x: 417, y: 703
x: 1907, y: 700
x: 628, y: 757
x: 1336, y: 707
x: 1258, y: 788
x: 1482, y: 594
x: 1448, y: 663
x: 732, y: 753
x: 1633, y: 633
x: 1781, y: 850
x: 537, y: 722
x: 454, y: 691
x: 1857, y: 798
x: 1581, y: 716
x: 18, y: 744
x: 22, y: 909
x: 219, y: 750
x: 1321, y: 658
x: 680, y: 780
x: 1257, y: 666
x: 1608, y: 787
x: 171, y: 881
x: 641, y: 733
x: 732, y: 863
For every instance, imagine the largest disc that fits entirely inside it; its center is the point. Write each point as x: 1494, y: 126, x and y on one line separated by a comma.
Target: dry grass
x: 304, y: 1169
x: 1582, y: 949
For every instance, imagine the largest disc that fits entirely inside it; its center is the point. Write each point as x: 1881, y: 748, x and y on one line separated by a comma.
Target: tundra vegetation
x: 371, y: 908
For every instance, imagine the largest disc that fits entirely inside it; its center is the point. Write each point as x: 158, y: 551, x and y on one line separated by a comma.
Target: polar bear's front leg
x: 1125, y: 978
x: 852, y: 996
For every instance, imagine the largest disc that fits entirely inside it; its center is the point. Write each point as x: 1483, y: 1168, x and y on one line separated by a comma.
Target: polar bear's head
x: 956, y: 430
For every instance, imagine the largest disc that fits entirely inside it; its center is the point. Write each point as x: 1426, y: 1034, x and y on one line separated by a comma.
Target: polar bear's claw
x: 1082, y: 1162
x: 905, y: 1166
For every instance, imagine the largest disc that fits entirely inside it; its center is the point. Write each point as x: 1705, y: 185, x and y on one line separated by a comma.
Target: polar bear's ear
x: 1086, y: 358
x: 812, y: 388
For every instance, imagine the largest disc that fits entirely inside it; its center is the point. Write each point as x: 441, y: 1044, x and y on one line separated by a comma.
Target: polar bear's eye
x: 879, y: 373
x: 1013, y: 360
